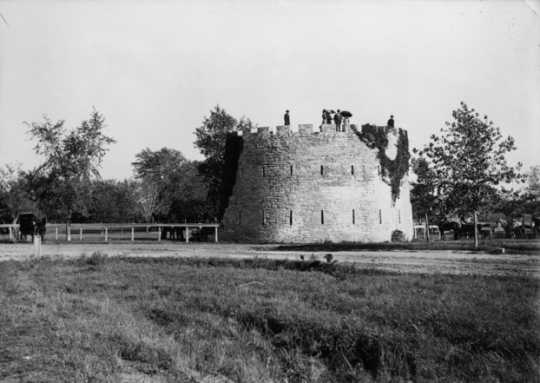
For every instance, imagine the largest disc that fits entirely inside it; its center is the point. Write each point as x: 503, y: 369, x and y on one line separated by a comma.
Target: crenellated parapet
x: 311, y: 130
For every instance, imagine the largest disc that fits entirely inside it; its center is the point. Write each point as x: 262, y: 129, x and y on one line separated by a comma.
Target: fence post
x: 10, y: 233
x: 37, y: 245
x: 68, y: 232
x: 159, y: 233
x: 215, y: 234
x: 80, y: 233
x: 187, y: 234
x: 133, y: 233
x: 56, y: 233
x: 106, y: 234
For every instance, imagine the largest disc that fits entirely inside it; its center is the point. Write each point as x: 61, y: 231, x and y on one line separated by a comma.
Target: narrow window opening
x: 291, y: 170
x: 322, y: 217
x: 322, y: 170
x: 352, y: 170
x: 353, y: 217
x: 380, y: 217
x: 263, y: 218
x: 290, y: 217
x: 263, y: 171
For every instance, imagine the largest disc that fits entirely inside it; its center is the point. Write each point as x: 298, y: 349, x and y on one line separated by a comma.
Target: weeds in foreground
x: 94, y: 318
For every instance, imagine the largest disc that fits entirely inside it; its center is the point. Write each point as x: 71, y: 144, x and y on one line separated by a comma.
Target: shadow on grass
x: 494, y: 246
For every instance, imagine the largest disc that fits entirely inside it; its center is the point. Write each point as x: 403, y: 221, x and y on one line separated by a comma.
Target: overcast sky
x: 156, y: 68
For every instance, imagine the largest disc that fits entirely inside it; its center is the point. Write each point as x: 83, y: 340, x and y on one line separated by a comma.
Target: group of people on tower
x: 339, y: 117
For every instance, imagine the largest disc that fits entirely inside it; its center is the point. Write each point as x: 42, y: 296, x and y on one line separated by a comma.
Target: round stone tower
x: 305, y: 186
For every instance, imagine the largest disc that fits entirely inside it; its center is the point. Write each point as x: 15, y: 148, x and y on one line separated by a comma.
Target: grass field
x: 96, y: 319
x: 510, y: 246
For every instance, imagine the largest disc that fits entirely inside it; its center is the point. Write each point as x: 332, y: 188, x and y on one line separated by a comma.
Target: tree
x: 61, y: 184
x: 14, y: 196
x: 168, y: 184
x: 114, y: 201
x: 533, y: 186
x: 468, y: 161
x: 424, y: 194
x: 211, y: 138
x: 153, y: 170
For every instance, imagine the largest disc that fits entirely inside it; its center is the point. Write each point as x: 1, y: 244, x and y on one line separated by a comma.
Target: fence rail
x: 108, y: 231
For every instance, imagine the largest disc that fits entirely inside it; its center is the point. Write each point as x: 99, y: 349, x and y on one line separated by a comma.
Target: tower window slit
x: 322, y: 170
x: 352, y: 170
x: 263, y: 171
x: 380, y: 217
x: 291, y: 168
x: 290, y: 217
x: 353, y: 217
x: 322, y: 217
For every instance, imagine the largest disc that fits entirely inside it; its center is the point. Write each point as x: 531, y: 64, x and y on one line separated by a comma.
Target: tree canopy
x: 169, y: 184
x: 465, y: 166
x: 211, y: 139
x: 72, y: 158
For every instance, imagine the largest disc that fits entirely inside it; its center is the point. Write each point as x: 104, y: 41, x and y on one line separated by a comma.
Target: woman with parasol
x: 346, y: 115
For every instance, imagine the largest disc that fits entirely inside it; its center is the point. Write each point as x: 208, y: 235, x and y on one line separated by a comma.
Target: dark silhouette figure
x: 324, y: 116
x: 286, y: 118
x: 329, y: 116
x: 337, y: 120
x: 345, y: 115
x: 390, y: 122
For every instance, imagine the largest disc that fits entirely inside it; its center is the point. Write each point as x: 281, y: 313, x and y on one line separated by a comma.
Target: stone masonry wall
x: 305, y: 187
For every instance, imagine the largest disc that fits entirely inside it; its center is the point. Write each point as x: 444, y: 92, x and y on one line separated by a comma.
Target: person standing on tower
x: 390, y: 122
x: 324, y: 116
x: 337, y: 120
x: 286, y: 118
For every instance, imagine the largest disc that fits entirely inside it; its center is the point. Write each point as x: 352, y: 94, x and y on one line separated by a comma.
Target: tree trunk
x: 475, y: 229
x: 427, y: 228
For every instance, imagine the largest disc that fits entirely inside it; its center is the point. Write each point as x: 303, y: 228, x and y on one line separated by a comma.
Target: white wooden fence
x: 108, y: 231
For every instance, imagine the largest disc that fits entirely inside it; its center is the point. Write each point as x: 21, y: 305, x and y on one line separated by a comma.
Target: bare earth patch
x: 421, y: 261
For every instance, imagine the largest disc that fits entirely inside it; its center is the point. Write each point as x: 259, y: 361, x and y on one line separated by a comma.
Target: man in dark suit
x: 286, y: 118
x: 337, y: 120
x: 390, y: 122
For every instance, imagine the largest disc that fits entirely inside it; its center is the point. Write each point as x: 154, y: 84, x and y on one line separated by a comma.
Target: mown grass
x: 180, y: 320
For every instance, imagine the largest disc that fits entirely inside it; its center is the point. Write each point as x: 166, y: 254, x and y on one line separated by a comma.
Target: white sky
x: 156, y: 68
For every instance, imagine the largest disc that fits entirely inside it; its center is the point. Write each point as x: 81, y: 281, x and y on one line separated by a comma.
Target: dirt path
x: 441, y: 261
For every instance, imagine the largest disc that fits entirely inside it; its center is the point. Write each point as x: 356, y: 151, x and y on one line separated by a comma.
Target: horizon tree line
x: 461, y: 172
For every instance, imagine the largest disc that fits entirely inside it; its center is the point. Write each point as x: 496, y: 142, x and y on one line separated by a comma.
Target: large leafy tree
x: 113, y: 201
x: 72, y: 159
x: 169, y: 184
x: 468, y: 162
x: 211, y: 139
x: 153, y: 169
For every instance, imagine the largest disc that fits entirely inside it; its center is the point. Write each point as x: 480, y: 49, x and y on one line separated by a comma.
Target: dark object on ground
x: 398, y: 236
x: 30, y: 225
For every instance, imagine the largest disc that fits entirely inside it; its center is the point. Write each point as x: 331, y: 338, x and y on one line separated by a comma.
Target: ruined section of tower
x: 306, y: 186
